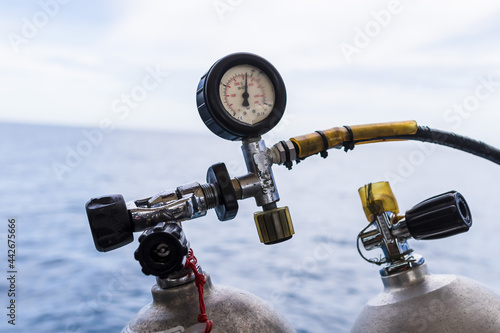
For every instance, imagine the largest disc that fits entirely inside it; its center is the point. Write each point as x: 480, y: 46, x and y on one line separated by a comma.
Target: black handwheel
x: 110, y: 222
x: 162, y: 250
x: 441, y: 216
x: 218, y: 175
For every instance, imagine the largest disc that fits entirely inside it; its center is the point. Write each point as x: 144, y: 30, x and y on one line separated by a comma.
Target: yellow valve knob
x: 274, y: 225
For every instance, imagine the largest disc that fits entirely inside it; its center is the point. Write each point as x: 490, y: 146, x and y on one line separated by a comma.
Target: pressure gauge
x: 241, y: 96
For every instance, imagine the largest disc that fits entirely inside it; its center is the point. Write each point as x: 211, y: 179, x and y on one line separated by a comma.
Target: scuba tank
x: 184, y: 298
x: 175, y: 309
x: 413, y: 299
x: 178, y: 296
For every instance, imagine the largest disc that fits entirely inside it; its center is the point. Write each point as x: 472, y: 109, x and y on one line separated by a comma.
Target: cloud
x: 90, y: 54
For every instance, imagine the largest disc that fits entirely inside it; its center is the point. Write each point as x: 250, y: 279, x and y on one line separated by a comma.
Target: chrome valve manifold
x: 113, y: 221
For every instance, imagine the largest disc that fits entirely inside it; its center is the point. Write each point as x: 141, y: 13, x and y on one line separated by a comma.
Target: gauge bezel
x: 213, y: 112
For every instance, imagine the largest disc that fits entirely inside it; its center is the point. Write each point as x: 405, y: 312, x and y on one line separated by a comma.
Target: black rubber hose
x: 453, y: 140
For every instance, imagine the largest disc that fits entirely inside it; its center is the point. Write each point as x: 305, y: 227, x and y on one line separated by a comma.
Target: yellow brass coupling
x: 274, y: 225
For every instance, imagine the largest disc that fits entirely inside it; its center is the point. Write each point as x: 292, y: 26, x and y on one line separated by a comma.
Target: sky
x: 136, y: 64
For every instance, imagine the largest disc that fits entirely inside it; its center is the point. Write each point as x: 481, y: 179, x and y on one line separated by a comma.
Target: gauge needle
x: 245, y: 94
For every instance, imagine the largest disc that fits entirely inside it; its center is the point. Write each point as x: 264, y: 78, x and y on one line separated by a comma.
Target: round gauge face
x: 241, y: 96
x: 247, y: 94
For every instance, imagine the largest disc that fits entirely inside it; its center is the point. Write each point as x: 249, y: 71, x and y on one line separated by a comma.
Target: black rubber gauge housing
x: 210, y: 104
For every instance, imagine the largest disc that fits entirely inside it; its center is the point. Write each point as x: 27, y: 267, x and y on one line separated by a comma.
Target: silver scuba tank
x: 175, y: 309
x: 413, y: 300
x: 184, y: 298
x: 417, y: 301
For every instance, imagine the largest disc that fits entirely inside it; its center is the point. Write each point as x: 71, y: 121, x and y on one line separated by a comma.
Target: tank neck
x: 406, y: 277
x: 177, y: 279
x: 187, y: 291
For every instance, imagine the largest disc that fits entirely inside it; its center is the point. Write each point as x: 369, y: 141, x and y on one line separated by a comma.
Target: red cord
x: 199, y: 279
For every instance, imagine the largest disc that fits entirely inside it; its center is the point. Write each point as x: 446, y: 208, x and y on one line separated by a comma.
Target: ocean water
x: 317, y: 279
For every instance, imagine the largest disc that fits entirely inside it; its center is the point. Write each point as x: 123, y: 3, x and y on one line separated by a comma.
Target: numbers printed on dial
x: 247, y: 94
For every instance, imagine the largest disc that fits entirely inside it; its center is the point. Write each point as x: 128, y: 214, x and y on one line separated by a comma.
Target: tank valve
x: 440, y: 216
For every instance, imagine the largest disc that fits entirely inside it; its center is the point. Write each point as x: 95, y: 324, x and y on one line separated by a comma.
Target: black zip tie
x: 288, y: 162
x: 349, y: 145
x: 296, y: 147
x: 324, y: 153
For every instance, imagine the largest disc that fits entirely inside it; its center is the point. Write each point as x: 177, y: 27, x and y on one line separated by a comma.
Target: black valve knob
x: 441, y: 216
x: 110, y: 222
x: 227, y: 207
x: 162, y: 250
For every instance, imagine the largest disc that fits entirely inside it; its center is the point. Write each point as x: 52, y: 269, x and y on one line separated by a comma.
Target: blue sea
x: 316, y: 279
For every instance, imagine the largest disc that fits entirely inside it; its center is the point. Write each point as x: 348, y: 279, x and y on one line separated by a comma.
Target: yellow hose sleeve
x: 313, y: 143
